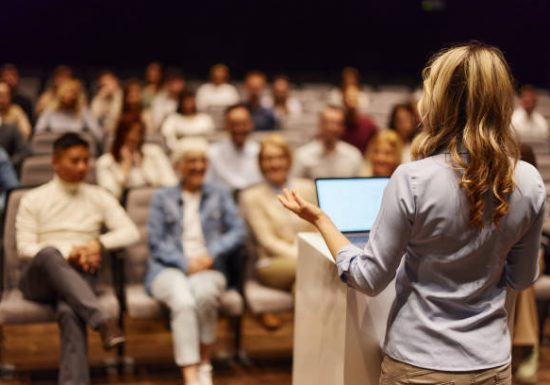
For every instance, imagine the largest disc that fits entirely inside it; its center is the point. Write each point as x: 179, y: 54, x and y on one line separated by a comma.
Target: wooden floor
x: 33, y: 349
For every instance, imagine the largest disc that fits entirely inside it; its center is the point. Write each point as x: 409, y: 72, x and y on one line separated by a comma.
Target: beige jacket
x: 273, y: 227
x: 156, y: 168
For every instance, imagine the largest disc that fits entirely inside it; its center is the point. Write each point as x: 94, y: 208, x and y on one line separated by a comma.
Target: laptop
x: 352, y: 204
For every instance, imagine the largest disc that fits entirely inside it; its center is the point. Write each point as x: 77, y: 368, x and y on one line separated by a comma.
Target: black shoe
x: 111, y: 335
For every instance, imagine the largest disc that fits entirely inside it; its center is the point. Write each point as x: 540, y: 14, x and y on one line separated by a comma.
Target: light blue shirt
x: 449, y: 312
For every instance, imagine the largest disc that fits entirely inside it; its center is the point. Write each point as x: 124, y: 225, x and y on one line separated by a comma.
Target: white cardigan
x: 156, y: 169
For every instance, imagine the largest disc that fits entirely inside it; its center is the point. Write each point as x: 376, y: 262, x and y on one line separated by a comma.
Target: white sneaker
x: 205, y: 374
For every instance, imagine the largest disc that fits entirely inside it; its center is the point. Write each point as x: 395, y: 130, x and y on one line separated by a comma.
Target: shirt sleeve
x: 235, y: 235
x: 122, y: 231
x: 372, y: 269
x: 522, y: 262
x: 26, y: 229
x: 110, y: 175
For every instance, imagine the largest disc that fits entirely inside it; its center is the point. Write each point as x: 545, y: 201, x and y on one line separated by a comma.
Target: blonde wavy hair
x: 390, y: 137
x: 67, y: 84
x: 467, y: 107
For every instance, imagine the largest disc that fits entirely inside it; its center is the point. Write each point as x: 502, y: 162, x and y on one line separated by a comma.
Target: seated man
x: 328, y: 156
x: 263, y: 117
x: 194, y: 228
x: 234, y: 160
x: 58, y: 227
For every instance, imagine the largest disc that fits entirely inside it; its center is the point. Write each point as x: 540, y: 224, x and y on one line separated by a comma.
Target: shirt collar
x: 68, y: 187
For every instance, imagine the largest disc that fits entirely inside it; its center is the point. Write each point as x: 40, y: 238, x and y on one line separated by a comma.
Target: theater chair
x: 259, y: 298
x: 136, y: 302
x: 42, y: 143
x: 37, y: 170
x: 14, y: 309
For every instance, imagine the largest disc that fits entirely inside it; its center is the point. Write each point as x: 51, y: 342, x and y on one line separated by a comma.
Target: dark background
x: 388, y: 40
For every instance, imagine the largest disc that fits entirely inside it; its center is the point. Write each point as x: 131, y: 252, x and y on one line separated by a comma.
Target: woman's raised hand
x: 298, y: 205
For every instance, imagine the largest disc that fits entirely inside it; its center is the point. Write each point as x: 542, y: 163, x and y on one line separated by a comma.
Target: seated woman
x: 11, y: 113
x: 186, y: 121
x: 132, y: 163
x: 60, y: 75
x: 68, y: 113
x: 403, y: 121
x: 132, y: 105
x: 274, y: 228
x: 193, y: 229
x: 384, y: 154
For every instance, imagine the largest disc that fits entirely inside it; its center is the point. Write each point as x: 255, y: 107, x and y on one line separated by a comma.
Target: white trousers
x: 193, y: 301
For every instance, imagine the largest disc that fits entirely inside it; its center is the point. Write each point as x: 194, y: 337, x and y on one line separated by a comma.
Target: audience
x: 193, y: 229
x: 218, y: 93
x: 328, y: 156
x: 107, y: 103
x: 264, y: 118
x: 186, y: 121
x: 384, y: 154
x: 166, y: 101
x: 153, y: 83
x: 273, y: 227
x: 359, y: 128
x: 528, y: 123
x: 350, y: 77
x: 60, y: 75
x: 14, y: 144
x: 132, y: 106
x: 10, y: 75
x: 11, y: 113
x: 58, y: 230
x: 68, y: 112
x: 234, y: 161
x: 403, y: 122
x: 285, y: 105
x: 133, y: 163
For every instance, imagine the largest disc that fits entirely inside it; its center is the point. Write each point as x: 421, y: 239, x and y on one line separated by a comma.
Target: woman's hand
x: 333, y: 237
x: 298, y: 205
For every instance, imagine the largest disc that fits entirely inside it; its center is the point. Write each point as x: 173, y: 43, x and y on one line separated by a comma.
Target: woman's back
x: 451, y: 284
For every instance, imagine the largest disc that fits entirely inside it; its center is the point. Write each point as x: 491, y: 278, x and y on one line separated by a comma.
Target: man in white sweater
x: 528, y: 123
x: 58, y: 228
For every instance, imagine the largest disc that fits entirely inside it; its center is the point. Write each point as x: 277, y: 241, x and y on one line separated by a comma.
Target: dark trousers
x: 49, y: 278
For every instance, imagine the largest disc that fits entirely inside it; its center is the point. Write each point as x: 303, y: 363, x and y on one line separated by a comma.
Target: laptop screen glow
x: 351, y: 203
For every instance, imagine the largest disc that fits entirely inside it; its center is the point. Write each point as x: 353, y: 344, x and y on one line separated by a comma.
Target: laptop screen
x: 351, y: 203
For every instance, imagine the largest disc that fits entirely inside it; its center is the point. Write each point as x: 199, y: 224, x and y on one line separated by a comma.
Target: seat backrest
x: 251, y: 245
x: 137, y: 206
x: 42, y: 143
x: 37, y: 170
x: 11, y: 266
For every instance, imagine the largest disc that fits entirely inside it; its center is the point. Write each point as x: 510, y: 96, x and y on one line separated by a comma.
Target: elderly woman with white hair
x: 194, y: 228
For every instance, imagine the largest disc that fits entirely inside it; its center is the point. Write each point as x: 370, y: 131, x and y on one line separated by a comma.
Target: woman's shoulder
x: 254, y: 193
x: 528, y: 179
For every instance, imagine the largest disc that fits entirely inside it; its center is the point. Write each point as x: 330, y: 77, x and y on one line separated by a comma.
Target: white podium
x: 338, y: 331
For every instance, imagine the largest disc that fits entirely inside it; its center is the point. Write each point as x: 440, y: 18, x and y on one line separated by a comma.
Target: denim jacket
x: 224, y: 230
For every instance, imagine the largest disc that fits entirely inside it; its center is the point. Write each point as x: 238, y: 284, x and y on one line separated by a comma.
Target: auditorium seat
x: 37, y: 170
x: 42, y: 143
x: 138, y: 304
x: 217, y: 114
x: 260, y: 298
x: 14, y: 309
